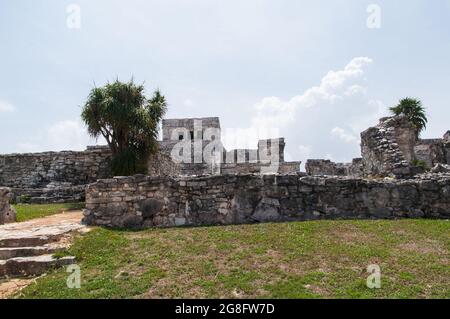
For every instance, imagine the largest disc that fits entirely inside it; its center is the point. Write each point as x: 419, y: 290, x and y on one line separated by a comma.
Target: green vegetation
x: 127, y: 120
x: 414, y: 111
x: 31, y: 211
x: 419, y: 163
x: 287, y: 260
x: 24, y: 199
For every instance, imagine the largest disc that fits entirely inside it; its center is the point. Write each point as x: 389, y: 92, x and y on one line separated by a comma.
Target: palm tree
x: 121, y: 113
x: 414, y: 111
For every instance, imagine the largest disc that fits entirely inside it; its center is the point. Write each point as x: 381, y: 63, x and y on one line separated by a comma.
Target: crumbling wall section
x: 327, y: 167
x: 388, y: 148
x: 433, y: 151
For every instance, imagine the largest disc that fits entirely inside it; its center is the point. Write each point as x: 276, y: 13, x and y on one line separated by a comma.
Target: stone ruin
x: 327, y: 167
x: 389, y: 149
x: 58, y: 177
x: 53, y: 177
x: 433, y: 151
x: 7, y: 212
x: 194, y: 180
x: 201, y: 137
x: 326, y: 191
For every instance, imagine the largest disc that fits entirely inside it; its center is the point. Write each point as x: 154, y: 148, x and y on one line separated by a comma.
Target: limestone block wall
x: 53, y: 176
x: 327, y: 167
x: 7, y: 212
x: 166, y: 167
x: 433, y: 151
x: 140, y: 201
x: 289, y: 167
x: 160, y: 164
x: 37, y: 170
x: 54, y: 192
x: 243, y: 161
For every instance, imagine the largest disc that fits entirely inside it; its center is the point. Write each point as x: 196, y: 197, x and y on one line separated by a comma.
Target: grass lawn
x: 30, y: 211
x: 287, y: 260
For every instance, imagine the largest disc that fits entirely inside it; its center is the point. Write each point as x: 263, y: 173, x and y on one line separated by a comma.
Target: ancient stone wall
x: 327, y: 167
x: 388, y: 148
x: 160, y: 164
x: 54, y: 176
x: 433, y: 151
x: 164, y: 166
x: 242, y: 161
x: 430, y: 151
x: 7, y: 212
x: 36, y: 170
x: 140, y: 201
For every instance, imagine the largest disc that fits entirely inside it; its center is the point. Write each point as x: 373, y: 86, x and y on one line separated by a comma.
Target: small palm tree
x: 414, y: 111
x: 128, y: 120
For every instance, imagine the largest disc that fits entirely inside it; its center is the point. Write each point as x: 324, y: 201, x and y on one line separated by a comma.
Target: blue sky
x: 311, y: 69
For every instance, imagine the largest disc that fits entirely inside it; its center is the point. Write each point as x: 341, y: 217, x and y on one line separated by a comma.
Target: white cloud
x: 304, y: 150
x: 328, y: 117
x: 355, y: 89
x: 70, y: 134
x: 274, y: 112
x: 343, y: 135
x: 64, y: 135
x: 6, y: 107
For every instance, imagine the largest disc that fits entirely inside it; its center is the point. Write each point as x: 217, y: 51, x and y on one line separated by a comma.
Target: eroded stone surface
x: 26, y: 249
x: 388, y: 148
x: 31, y: 266
x: 7, y: 212
x: 40, y: 231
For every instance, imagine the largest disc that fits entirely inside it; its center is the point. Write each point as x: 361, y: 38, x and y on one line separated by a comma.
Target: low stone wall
x: 52, y: 193
x: 327, y: 167
x: 7, y: 212
x: 140, y: 201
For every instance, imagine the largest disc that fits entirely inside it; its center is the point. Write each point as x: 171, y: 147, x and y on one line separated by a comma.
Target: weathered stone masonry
x: 54, y: 176
x: 140, y: 201
x: 390, y: 148
x: 327, y: 167
x: 7, y: 213
x: 62, y: 176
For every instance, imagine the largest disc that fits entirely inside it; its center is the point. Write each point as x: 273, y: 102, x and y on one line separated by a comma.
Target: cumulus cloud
x: 64, y: 135
x: 325, y: 120
x: 6, y: 107
x: 343, y: 135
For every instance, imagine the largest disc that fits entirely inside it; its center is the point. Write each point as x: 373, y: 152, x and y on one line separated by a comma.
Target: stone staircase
x: 28, y: 248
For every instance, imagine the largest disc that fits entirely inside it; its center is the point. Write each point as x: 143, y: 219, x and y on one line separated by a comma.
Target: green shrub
x: 24, y: 199
x: 419, y: 163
